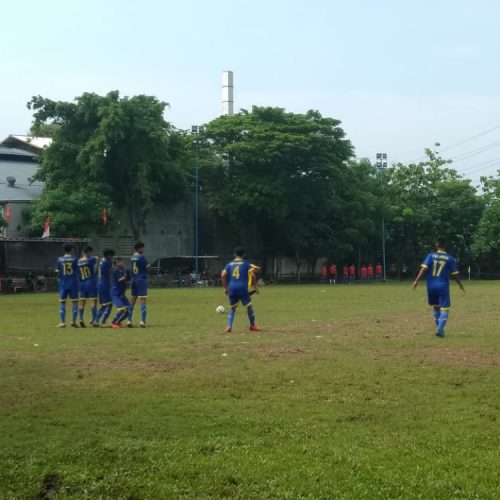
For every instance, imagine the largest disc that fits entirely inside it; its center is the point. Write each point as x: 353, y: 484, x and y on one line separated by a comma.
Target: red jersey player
x: 378, y: 270
x: 369, y: 272
x: 333, y: 274
x: 324, y: 273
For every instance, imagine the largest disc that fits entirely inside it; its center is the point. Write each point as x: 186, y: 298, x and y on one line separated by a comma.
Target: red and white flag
x: 104, y: 216
x: 8, y: 215
x: 46, y: 229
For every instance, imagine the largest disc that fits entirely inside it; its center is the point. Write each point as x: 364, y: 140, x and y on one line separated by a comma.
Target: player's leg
x: 444, y: 304
x: 63, y: 294
x: 81, y: 310
x: 246, y: 300
x: 133, y: 300
x: 437, y: 314
x: 93, y: 310
x: 106, y: 313
x: 144, y: 311
x: 233, y: 304
x: 74, y: 307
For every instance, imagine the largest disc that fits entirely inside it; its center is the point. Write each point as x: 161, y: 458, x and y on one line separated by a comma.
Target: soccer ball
x: 220, y: 309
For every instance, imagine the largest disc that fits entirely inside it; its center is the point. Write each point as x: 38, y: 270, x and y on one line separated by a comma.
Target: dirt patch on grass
x: 441, y: 355
x: 263, y: 349
x: 128, y: 364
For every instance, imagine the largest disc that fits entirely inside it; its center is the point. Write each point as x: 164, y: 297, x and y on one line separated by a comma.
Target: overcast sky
x: 399, y: 74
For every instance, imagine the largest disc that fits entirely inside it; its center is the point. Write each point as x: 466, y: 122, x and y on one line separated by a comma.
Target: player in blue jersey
x: 438, y: 267
x: 139, y: 288
x: 87, y: 275
x: 236, y: 278
x: 104, y: 288
x: 119, y: 284
x: 67, y: 269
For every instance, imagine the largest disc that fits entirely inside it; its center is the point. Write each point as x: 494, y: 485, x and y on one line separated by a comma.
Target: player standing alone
x: 437, y: 267
x: 139, y: 283
x: 236, y: 277
x: 68, y: 284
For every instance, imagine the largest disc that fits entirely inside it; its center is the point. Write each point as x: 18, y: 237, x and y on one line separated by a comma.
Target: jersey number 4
x: 236, y: 273
x: 437, y: 267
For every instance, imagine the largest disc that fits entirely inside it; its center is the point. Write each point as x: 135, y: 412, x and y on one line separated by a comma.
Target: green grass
x: 345, y: 394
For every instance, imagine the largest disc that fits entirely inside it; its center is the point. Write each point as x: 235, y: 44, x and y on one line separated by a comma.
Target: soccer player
x: 68, y: 284
x: 333, y: 274
x: 363, y: 272
x: 352, y: 273
x: 438, y: 267
x: 324, y: 273
x: 104, y: 288
x: 378, y: 270
x: 118, y: 288
x: 345, y: 273
x: 236, y: 277
x: 139, y: 283
x: 369, y: 272
x: 88, y: 284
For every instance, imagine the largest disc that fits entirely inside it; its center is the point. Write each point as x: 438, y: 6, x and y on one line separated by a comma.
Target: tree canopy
x: 107, y: 152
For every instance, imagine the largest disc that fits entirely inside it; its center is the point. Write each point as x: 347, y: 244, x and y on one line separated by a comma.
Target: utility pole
x: 381, y: 165
x: 196, y: 130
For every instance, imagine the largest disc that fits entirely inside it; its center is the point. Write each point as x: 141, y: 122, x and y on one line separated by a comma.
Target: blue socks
x: 143, y: 312
x: 62, y: 311
x: 104, y: 313
x: 230, y: 316
x: 251, y: 315
x: 75, y: 311
x: 443, y: 318
x: 93, y: 311
x: 437, y: 314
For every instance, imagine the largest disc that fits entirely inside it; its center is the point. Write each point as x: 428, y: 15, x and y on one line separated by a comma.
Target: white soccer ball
x: 220, y: 309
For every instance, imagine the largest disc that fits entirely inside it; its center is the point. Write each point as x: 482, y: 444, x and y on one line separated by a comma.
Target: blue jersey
x: 87, y: 269
x: 239, y: 275
x: 139, y: 266
x: 67, y: 268
x: 105, y: 275
x: 440, y: 266
x: 118, y: 281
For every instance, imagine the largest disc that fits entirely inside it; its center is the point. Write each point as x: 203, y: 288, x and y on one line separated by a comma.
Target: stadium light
x: 381, y: 165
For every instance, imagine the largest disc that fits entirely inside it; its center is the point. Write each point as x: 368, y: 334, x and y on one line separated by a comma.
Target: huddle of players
x: 85, y: 279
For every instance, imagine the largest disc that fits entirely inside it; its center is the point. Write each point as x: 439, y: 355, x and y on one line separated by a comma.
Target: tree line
x: 288, y: 183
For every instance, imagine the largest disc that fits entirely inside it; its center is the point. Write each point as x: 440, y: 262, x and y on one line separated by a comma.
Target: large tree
x: 277, y: 176
x: 107, y: 152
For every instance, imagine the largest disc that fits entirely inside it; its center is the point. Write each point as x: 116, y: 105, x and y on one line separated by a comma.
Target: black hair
x: 138, y: 245
x: 68, y: 247
x: 108, y: 252
x: 116, y: 260
x: 239, y: 252
x: 88, y: 248
x: 440, y: 242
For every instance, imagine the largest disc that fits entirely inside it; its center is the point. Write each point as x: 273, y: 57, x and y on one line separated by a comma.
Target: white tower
x: 227, y: 93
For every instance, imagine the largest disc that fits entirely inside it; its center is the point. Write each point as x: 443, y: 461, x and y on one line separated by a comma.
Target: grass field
x: 345, y: 394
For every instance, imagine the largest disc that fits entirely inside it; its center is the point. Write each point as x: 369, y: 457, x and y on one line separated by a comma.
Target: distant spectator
x: 404, y: 272
x: 393, y: 271
x: 363, y: 273
x: 378, y: 270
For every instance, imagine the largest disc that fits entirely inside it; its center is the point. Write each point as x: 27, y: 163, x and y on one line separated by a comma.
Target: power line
x: 475, y: 152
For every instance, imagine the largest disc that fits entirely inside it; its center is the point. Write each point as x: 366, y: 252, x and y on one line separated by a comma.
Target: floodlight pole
x: 381, y: 165
x: 196, y: 130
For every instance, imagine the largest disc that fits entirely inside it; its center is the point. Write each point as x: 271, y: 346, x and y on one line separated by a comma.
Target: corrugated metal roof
x: 36, y: 142
x: 22, y: 171
x: 8, y: 151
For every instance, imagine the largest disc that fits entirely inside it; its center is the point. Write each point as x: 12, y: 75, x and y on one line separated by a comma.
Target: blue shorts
x: 104, y: 296
x: 236, y: 296
x: 439, y: 297
x: 120, y: 301
x: 88, y: 289
x: 139, y: 287
x: 71, y: 293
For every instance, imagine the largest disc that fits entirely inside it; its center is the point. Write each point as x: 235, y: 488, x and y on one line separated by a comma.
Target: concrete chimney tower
x: 227, y: 93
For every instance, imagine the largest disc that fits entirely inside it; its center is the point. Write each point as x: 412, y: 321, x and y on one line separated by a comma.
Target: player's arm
x: 459, y: 282
x: 223, y: 278
x: 420, y: 275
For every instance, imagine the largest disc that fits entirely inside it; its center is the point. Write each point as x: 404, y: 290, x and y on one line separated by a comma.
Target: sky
x: 401, y: 75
